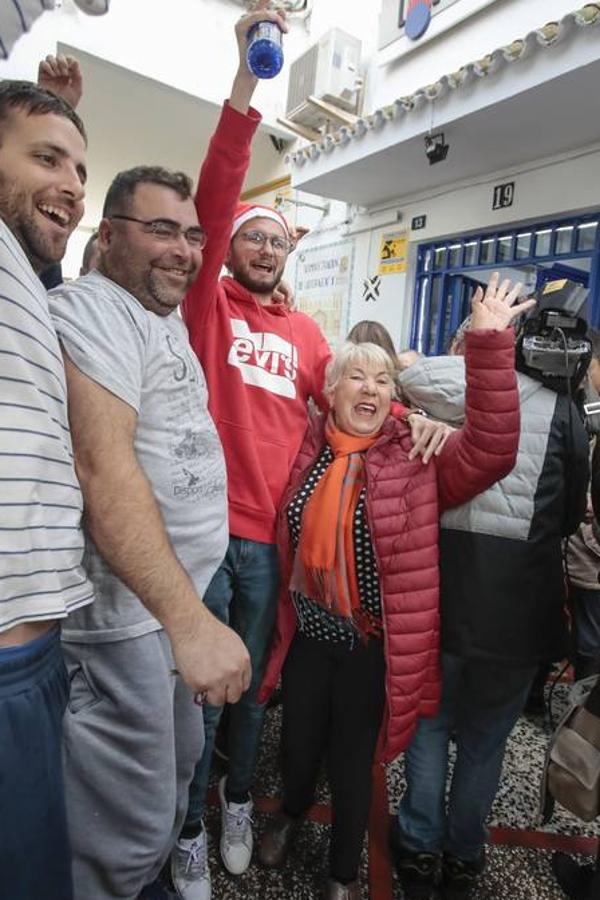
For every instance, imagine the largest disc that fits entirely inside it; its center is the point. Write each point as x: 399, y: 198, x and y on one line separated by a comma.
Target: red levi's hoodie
x: 262, y: 363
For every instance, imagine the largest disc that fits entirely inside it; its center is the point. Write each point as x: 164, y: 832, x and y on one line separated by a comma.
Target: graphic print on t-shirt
x: 196, y: 457
x: 264, y: 359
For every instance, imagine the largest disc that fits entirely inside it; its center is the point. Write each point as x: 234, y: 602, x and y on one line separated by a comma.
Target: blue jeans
x: 243, y: 593
x: 586, y: 611
x: 35, y: 854
x: 480, y: 704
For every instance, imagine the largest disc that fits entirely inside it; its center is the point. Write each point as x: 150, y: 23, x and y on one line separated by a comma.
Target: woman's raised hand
x: 497, y: 308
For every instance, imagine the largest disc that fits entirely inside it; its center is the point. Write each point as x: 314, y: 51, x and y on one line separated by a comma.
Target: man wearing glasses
x: 152, y: 472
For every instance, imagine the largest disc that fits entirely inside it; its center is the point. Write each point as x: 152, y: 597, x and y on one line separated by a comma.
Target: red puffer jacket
x: 404, y: 502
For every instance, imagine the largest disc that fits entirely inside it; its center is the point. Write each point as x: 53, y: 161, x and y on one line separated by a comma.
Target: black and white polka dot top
x: 313, y: 620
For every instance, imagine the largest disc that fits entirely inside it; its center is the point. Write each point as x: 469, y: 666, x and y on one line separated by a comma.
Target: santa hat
x: 247, y: 211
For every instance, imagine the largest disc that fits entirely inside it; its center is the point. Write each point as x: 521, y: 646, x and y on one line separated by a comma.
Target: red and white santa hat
x: 247, y: 211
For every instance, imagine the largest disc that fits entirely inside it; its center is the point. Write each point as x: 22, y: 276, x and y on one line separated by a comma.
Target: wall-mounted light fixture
x: 436, y: 148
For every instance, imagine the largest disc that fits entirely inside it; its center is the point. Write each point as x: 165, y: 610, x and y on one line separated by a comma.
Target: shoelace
x: 197, y: 859
x: 237, y: 824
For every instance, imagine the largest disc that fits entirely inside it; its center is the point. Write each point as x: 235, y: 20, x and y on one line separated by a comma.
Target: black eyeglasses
x: 259, y: 239
x: 167, y: 230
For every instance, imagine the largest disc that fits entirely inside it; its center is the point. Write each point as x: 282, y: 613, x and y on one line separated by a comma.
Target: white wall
x: 550, y: 188
x: 484, y: 26
x: 186, y: 44
x: 547, y: 188
x: 564, y: 184
x: 183, y: 43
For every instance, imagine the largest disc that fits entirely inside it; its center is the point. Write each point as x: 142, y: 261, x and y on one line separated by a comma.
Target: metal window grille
x: 447, y: 271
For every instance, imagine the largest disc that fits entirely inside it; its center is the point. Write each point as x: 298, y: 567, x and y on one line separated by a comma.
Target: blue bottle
x: 265, y: 53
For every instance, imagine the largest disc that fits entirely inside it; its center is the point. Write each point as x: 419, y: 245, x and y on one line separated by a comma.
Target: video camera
x: 552, y: 344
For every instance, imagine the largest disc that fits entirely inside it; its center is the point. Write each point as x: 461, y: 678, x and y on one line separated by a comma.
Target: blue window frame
x: 449, y: 270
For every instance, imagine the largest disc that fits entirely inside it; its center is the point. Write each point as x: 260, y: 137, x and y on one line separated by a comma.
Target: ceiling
x: 557, y: 116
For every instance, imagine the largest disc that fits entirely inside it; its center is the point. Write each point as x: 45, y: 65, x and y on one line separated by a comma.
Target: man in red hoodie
x: 262, y: 361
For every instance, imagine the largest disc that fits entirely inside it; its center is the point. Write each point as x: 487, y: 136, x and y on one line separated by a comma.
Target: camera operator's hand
x: 497, y: 308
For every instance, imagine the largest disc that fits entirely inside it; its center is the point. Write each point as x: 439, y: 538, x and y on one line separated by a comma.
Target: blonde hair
x: 349, y: 354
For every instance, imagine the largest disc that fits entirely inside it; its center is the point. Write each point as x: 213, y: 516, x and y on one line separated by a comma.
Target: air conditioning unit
x: 328, y: 71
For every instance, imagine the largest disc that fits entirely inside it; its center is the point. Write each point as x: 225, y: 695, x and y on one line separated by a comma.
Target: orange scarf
x: 324, y: 566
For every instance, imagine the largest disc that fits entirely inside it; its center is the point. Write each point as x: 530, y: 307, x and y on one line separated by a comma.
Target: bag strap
x: 592, y: 703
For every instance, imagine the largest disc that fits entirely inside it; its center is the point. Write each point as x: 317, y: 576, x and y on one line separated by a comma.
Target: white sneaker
x: 189, y: 868
x: 236, y: 833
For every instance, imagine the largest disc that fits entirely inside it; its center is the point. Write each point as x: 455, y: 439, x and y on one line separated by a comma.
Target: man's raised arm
x: 223, y: 173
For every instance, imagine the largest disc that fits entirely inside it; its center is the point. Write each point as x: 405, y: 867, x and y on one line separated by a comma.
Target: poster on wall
x: 392, y: 253
x: 324, y: 283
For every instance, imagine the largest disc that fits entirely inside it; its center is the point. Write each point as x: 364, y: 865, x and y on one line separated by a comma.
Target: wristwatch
x: 413, y: 411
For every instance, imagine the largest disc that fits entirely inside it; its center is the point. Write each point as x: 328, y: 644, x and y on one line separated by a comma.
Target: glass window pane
x: 542, y: 242
x: 428, y: 260
x: 564, y: 237
x: 467, y: 292
x: 504, y: 249
x: 586, y: 236
x: 446, y: 328
x: 471, y: 253
x: 454, y: 255
x: 523, y: 245
x: 421, y: 314
x: 434, y: 311
x: 440, y: 257
x: 487, y: 251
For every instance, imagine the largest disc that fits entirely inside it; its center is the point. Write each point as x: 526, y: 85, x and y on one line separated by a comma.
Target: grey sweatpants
x: 132, y: 735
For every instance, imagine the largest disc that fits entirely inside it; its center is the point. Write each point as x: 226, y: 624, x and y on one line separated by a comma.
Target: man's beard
x: 39, y: 249
x: 165, y: 297
x: 144, y: 285
x: 257, y: 287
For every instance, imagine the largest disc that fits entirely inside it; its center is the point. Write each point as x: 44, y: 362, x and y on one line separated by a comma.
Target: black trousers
x: 333, y: 702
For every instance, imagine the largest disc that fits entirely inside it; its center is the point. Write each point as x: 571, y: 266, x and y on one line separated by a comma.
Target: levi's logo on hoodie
x: 264, y: 359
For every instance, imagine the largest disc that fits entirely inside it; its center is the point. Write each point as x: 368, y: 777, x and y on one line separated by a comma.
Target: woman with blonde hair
x: 357, y: 639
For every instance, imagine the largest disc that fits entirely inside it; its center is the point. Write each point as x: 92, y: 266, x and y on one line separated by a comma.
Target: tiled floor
x: 518, y: 857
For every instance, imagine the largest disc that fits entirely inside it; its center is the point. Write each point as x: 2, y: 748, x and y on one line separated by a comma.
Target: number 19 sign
x: 504, y: 194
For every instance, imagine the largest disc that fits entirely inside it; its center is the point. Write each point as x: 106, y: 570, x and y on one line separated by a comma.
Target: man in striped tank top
x: 42, y: 178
